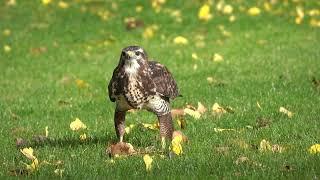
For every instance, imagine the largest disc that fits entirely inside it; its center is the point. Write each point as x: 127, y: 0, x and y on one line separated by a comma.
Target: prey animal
x: 138, y: 83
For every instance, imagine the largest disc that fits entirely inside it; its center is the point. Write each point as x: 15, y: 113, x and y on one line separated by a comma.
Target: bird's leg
x: 166, y: 128
x: 119, y: 123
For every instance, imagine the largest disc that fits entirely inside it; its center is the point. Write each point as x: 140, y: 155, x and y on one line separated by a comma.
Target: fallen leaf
x: 254, y: 11
x: 6, y: 32
x: 46, y: 2
x: 83, y: 137
x: 264, y: 146
x: 176, y: 113
x: 176, y: 146
x: 217, y: 109
x: 193, y: 113
x: 180, y: 40
x: 194, y: 56
x: 154, y: 126
x: 217, y: 57
x: 180, y: 134
x: 21, y: 142
x: 276, y: 148
x: 133, y: 23
x: 81, y: 83
x: 120, y: 149
x: 6, y: 48
x: 148, y: 162
x: 28, y: 152
x: 314, y: 149
x: 227, y: 9
x: 63, y: 5
x: 204, y: 13
x: 77, y: 124
x: 285, y: 111
x: 201, y: 108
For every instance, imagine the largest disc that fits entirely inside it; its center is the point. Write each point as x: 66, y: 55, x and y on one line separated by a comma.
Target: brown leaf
x: 133, y: 23
x: 176, y: 113
x: 21, y: 143
x: 119, y: 149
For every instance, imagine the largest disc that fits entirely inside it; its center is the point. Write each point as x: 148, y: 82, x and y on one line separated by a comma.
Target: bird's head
x: 132, y: 58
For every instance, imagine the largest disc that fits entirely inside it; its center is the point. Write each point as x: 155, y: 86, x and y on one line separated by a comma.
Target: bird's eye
x: 123, y: 53
x: 137, y: 53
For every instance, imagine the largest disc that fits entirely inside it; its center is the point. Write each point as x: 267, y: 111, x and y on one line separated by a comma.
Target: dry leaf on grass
x: 267, y: 146
x: 217, y: 109
x: 148, y: 162
x: 77, y: 124
x: 285, y: 111
x: 181, y: 135
x: 120, y: 149
x: 314, y: 149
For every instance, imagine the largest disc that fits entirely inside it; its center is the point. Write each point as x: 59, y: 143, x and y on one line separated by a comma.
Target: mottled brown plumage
x: 138, y: 83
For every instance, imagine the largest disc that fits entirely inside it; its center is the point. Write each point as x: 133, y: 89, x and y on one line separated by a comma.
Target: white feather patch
x: 131, y: 67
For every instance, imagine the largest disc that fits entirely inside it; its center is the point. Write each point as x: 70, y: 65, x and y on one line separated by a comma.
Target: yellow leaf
x: 28, y: 152
x: 227, y: 9
x: 285, y: 111
x: 176, y: 145
x: 77, y: 125
x: 314, y: 22
x: 314, y: 149
x: 254, y: 11
x: 63, y: 4
x: 180, y: 40
x: 81, y: 83
x: 139, y: 9
x: 217, y: 57
x: 149, y: 32
x: 204, y: 13
x: 194, y: 56
x: 83, y: 137
x: 201, y: 109
x: 154, y: 126
x: 6, y: 48
x: 47, y: 132
x: 193, y: 113
x: 46, y: 2
x: 232, y: 18
x: 6, y: 32
x: 264, y: 145
x: 148, y: 162
x: 217, y: 109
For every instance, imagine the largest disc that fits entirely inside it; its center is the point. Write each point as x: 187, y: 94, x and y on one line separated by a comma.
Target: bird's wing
x: 164, y: 82
x: 114, y: 86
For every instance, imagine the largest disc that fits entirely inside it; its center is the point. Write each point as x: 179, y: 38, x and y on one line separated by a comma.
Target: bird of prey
x: 138, y: 83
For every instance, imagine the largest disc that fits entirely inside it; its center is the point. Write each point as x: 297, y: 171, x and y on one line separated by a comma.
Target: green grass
x: 275, y: 73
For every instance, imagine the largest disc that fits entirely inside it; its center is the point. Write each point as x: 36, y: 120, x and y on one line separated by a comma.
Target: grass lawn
x: 56, y: 60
